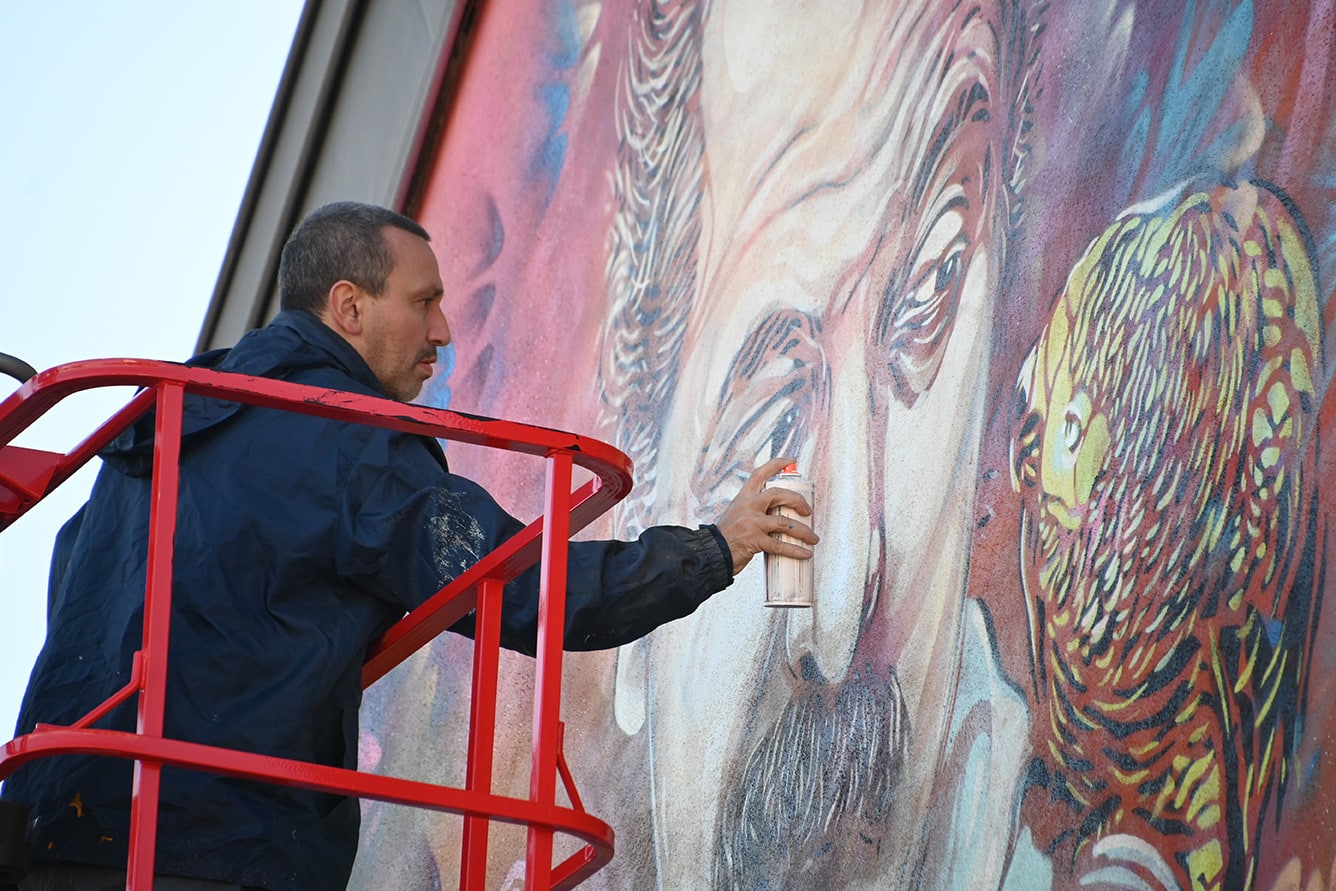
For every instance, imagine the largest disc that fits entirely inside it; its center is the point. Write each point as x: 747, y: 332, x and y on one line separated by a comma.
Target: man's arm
x: 412, y: 527
x: 619, y: 591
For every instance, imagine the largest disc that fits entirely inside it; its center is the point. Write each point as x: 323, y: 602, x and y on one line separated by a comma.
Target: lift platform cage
x: 27, y: 475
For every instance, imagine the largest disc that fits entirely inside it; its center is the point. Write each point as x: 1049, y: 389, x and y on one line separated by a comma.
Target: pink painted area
x: 533, y: 355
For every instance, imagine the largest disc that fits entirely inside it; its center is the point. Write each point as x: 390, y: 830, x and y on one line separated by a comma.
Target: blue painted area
x: 1134, y: 147
x: 564, y: 48
x: 565, y: 36
x: 1273, y: 628
x: 436, y: 391
x: 1196, y: 89
x: 1192, y: 97
x: 550, y: 155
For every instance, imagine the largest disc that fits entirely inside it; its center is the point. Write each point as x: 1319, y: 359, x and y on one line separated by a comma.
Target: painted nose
x: 820, y: 641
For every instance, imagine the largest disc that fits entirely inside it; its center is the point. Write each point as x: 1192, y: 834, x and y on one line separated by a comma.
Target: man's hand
x: 747, y: 526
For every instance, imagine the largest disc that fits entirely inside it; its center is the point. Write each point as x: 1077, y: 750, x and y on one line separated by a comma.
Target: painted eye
x: 948, y: 270
x: 924, y: 320
x: 782, y: 438
x: 1073, y: 430
x: 769, y: 400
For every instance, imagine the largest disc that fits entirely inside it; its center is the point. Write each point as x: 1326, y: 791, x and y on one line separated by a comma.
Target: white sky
x: 129, y: 134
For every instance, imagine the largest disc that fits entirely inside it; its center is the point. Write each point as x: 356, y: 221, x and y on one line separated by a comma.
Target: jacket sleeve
x: 408, y: 527
x: 618, y: 591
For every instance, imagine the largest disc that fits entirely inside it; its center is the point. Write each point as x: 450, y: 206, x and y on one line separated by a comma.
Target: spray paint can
x: 789, y: 581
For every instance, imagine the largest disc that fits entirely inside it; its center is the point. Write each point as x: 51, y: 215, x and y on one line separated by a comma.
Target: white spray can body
x: 789, y: 582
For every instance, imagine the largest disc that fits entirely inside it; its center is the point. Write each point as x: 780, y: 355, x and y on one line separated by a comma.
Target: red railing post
x: 157, y: 628
x: 547, y: 680
x: 482, y: 730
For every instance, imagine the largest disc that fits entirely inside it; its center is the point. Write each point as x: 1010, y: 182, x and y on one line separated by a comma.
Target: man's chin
x: 817, y: 788
x: 409, y: 391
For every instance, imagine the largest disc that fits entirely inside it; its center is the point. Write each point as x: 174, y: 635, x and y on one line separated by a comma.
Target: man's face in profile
x: 847, y: 251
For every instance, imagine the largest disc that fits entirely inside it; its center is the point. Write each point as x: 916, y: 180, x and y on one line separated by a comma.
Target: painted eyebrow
x: 971, y: 106
x: 771, y: 335
x: 777, y: 334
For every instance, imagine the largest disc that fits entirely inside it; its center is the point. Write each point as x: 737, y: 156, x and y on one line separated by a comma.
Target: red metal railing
x: 26, y: 475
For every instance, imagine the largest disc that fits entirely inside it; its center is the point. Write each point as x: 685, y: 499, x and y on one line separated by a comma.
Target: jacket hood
x: 294, y: 341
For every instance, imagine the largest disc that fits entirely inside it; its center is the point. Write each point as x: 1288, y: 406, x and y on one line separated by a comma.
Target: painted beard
x: 820, y: 780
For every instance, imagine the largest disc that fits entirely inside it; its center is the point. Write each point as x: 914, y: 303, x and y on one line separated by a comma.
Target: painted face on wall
x: 825, y: 248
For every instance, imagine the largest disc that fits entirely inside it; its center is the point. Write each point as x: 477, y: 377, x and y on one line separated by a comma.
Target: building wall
x: 1038, y: 294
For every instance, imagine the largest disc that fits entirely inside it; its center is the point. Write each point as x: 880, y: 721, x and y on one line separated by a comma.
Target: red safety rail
x: 26, y: 475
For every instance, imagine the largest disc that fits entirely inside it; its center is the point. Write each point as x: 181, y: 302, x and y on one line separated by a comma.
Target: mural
x: 1040, y: 293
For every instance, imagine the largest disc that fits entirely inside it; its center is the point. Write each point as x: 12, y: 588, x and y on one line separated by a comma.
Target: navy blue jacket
x: 299, y: 541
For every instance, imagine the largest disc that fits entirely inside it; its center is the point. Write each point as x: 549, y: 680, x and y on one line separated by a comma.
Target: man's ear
x: 344, y: 307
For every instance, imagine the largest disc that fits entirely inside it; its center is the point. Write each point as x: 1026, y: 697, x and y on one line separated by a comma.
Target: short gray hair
x: 343, y: 241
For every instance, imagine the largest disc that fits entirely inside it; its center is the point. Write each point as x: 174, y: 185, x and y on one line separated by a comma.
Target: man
x: 301, y: 540
x: 810, y: 240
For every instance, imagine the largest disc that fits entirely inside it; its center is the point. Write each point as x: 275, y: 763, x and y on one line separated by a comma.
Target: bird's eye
x: 1073, y: 430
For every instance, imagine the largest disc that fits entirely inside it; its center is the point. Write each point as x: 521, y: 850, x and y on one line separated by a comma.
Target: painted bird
x: 1164, y: 453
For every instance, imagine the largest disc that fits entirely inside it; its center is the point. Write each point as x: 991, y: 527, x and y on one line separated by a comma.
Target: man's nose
x: 439, y: 334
